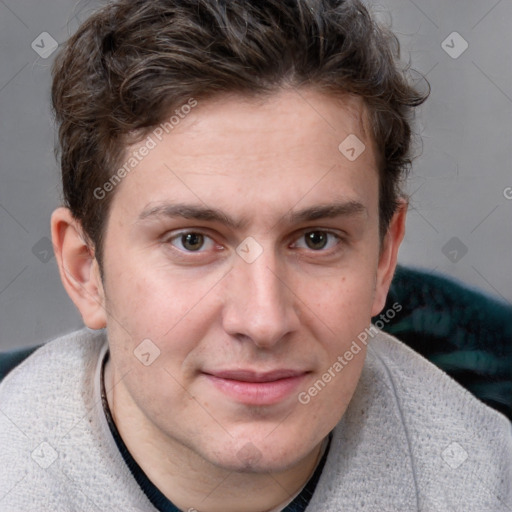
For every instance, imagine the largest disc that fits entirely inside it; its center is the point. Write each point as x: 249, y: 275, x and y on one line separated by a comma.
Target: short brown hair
x: 134, y: 61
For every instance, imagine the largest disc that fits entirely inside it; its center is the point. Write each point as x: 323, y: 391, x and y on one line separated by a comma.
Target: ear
x: 388, y: 256
x: 78, y: 267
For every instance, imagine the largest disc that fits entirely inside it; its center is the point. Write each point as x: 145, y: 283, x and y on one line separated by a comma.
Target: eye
x: 318, y: 240
x: 190, y: 241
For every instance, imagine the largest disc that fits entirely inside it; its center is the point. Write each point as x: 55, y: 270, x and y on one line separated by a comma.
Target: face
x: 245, y: 247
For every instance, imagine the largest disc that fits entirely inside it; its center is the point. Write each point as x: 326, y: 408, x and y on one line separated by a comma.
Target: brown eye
x: 192, y: 246
x: 192, y: 241
x: 316, y: 240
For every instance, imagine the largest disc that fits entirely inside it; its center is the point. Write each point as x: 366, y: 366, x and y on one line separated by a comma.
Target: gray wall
x: 461, y: 185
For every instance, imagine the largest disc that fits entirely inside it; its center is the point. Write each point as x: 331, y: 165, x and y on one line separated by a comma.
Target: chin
x: 266, y: 454
x: 255, y: 462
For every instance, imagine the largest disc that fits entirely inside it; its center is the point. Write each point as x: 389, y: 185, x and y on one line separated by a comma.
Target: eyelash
x: 327, y: 252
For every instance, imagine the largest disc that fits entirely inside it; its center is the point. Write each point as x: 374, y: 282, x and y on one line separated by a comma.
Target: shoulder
x: 455, y: 441
x: 12, y: 358
x: 55, y: 374
x: 414, y: 378
x: 56, y: 358
x: 413, y: 439
x: 42, y: 400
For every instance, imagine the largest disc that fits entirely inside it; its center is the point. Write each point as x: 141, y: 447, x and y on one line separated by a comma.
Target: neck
x: 190, y: 481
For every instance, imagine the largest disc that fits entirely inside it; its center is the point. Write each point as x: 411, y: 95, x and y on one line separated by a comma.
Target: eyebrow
x: 204, y: 213
x: 190, y: 211
x: 328, y: 211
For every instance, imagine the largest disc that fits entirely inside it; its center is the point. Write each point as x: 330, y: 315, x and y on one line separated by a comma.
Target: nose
x: 260, y: 304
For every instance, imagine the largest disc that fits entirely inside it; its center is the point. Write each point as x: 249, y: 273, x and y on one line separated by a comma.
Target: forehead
x: 291, y: 115
x: 238, y: 152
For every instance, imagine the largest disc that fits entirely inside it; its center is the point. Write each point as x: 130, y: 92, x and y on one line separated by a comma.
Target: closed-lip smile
x: 256, y: 388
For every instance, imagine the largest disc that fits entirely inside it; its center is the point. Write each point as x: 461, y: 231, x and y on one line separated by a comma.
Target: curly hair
x: 133, y: 62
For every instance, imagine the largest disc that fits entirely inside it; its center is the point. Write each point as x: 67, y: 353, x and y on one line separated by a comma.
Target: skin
x: 295, y: 306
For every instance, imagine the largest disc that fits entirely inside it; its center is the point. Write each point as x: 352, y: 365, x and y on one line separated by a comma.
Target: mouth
x: 257, y: 388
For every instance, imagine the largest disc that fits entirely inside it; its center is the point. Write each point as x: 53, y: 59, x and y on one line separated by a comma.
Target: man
x: 232, y: 219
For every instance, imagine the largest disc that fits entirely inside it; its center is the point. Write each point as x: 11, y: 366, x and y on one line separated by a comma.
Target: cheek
x: 174, y: 312
x: 153, y: 301
x: 325, y: 397
x: 342, y: 301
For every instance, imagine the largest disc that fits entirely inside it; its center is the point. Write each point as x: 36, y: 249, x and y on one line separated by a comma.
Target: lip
x: 257, y: 388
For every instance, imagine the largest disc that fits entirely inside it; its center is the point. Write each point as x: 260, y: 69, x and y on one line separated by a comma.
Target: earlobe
x: 388, y: 256
x: 78, y: 267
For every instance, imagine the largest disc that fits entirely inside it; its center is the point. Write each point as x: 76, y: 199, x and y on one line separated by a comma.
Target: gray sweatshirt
x: 411, y: 439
